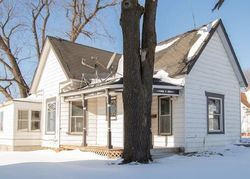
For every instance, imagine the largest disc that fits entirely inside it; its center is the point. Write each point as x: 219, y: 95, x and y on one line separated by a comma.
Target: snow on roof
x: 165, y: 45
x: 203, y: 32
x: 31, y: 98
x: 163, y: 76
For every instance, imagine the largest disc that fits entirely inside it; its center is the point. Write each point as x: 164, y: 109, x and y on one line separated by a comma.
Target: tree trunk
x: 138, y: 75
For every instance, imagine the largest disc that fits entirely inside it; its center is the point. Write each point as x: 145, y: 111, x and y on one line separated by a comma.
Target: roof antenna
x: 193, y: 15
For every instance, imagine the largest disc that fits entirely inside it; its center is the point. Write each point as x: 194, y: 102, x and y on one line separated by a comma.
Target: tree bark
x: 137, y: 78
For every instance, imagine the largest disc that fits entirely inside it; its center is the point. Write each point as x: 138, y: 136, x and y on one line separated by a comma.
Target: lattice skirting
x: 110, y: 153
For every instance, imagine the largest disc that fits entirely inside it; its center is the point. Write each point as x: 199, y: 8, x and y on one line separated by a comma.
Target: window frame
x: 170, y: 114
x: 220, y: 97
x: 50, y: 100
x: 70, y: 120
x: 23, y: 130
x: 113, y: 117
x: 36, y: 130
x: 1, y: 120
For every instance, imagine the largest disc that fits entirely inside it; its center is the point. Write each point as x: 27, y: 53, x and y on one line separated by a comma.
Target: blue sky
x: 175, y: 17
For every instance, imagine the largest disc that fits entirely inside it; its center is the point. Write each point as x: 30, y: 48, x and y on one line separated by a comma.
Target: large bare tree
x: 40, y: 10
x: 11, y: 73
x: 139, y: 53
x: 81, y: 13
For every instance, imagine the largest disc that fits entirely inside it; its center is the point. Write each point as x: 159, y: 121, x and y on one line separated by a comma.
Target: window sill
x: 166, y: 135
x: 74, y: 134
x: 216, y: 132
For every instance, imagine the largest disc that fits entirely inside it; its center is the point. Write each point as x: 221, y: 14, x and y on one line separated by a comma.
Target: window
x: 113, y: 108
x: 23, y: 120
x: 35, y: 120
x: 1, y: 121
x: 51, y: 116
x: 76, y: 118
x: 215, y: 113
x: 165, y: 123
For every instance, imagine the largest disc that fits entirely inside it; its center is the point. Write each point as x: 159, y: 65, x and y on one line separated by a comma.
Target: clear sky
x: 175, y: 17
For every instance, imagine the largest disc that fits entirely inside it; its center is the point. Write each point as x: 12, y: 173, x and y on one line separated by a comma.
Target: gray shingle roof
x: 71, y: 54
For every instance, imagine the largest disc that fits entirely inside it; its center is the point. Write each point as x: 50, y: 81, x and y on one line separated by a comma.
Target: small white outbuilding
x: 20, y: 124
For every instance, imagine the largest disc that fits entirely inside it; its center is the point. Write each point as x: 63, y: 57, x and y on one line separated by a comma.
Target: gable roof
x: 71, y: 54
x: 176, y: 56
x: 181, y: 52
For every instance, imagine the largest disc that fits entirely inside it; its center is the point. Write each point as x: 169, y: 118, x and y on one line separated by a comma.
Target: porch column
x: 108, y: 117
x: 84, y: 122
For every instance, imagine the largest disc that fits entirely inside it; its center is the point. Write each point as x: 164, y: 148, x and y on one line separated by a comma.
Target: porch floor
x: 158, y: 152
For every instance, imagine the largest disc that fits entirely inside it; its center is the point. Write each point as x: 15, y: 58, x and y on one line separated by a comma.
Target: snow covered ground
x: 230, y: 163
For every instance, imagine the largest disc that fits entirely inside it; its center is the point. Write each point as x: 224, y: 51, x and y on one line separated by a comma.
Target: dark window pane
x: 113, y: 107
x: 23, y: 114
x: 77, y: 108
x: 214, y: 106
x: 214, y: 123
x: 165, y: 106
x: 35, y: 115
x: 165, y: 125
x: 76, y: 124
x: 35, y: 125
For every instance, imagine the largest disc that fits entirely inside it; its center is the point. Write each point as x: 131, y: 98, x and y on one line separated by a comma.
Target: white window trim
x: 23, y: 130
x: 70, y: 117
x: 48, y: 101
x: 159, y: 117
x: 29, y: 120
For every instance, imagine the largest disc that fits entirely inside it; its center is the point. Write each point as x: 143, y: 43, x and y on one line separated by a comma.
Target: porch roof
x: 116, y: 85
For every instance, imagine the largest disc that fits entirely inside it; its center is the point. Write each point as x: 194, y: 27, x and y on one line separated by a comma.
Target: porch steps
x: 158, y: 153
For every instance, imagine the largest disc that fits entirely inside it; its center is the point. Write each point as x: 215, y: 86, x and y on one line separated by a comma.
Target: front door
x: 165, y: 121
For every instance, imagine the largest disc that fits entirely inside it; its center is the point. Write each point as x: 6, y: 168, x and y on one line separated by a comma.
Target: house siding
x: 176, y: 139
x: 49, y: 84
x: 26, y: 138
x: 7, y: 135
x: 212, y: 73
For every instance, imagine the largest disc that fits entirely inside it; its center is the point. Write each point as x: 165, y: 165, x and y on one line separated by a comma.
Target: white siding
x: 213, y: 73
x: 92, y: 122
x: 28, y: 138
x: 177, y: 137
x: 7, y: 135
x: 49, y: 84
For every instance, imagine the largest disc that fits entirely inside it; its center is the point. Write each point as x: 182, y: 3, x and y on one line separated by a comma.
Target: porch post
x: 108, y: 117
x: 84, y: 131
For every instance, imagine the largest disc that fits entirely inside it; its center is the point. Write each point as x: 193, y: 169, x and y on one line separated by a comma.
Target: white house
x: 245, y: 113
x: 20, y: 124
x: 196, y: 93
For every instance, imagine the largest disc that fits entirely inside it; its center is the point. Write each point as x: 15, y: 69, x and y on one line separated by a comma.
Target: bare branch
x: 6, y: 65
x: 36, y: 12
x: 6, y: 92
x: 80, y: 18
x: 218, y: 5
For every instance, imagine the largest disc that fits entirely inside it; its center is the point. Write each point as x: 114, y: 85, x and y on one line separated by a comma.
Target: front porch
x: 100, y: 127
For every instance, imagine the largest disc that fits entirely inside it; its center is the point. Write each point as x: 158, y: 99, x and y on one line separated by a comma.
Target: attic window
x: 215, y: 113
